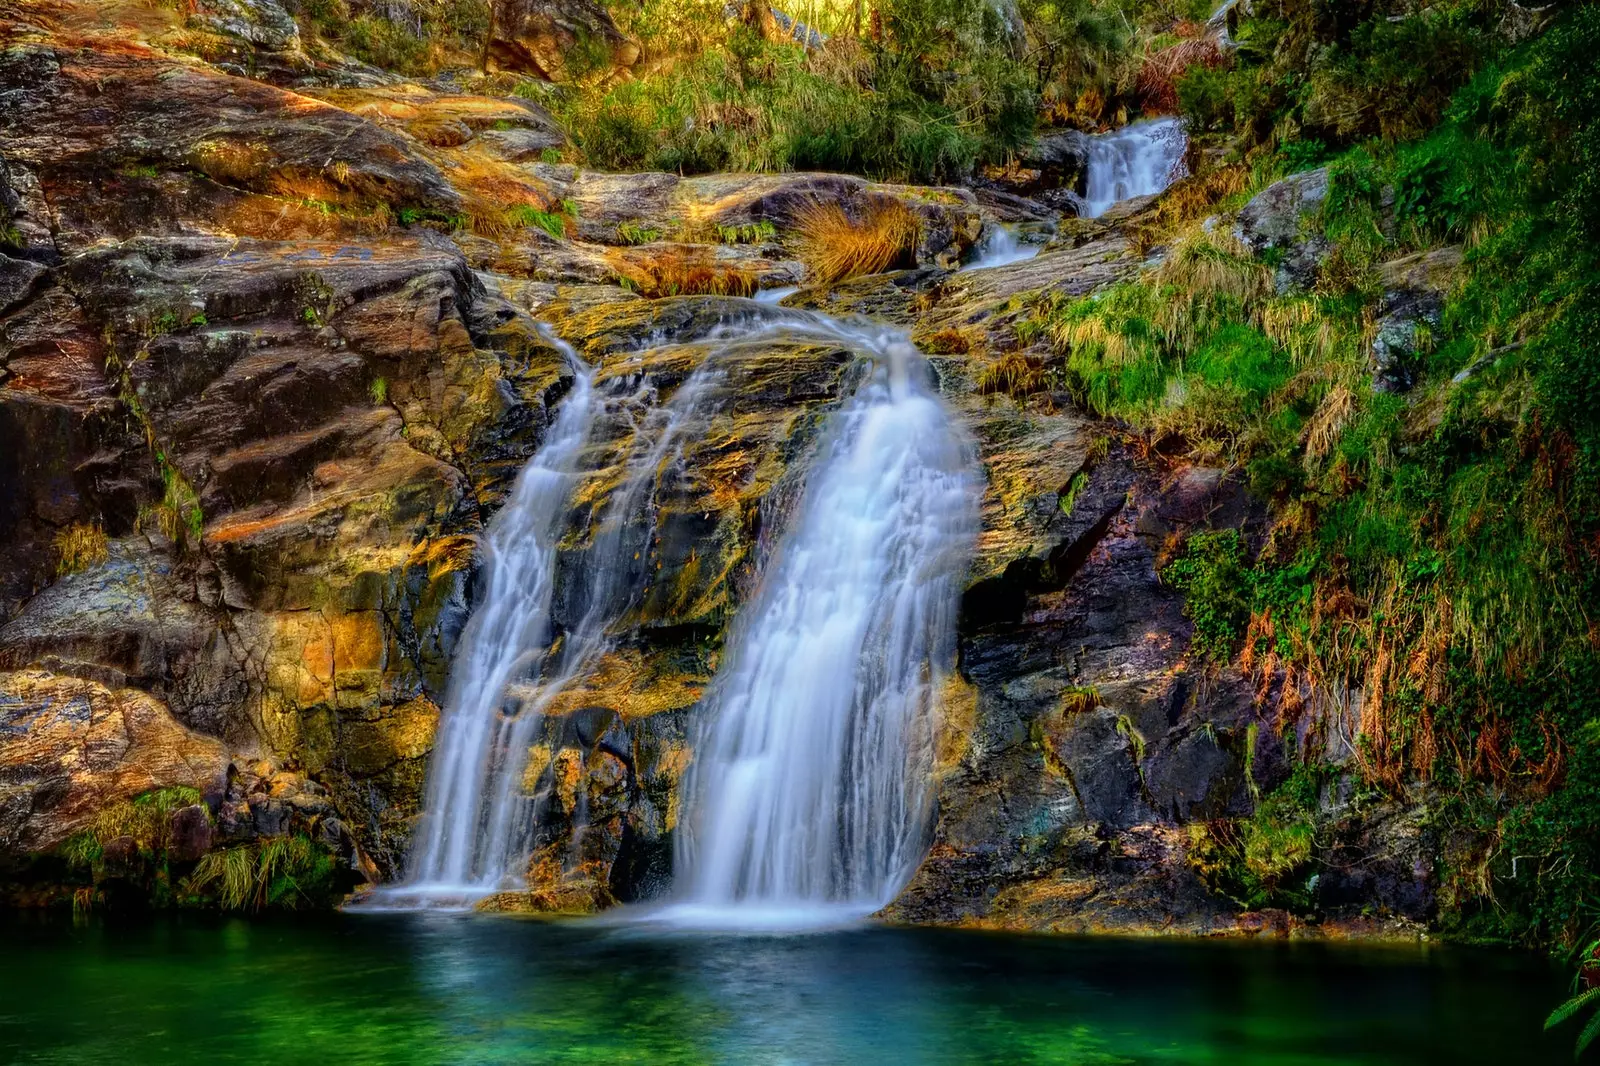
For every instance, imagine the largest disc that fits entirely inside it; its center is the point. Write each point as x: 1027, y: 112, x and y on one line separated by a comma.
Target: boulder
x: 262, y: 23
x: 18, y: 277
x: 190, y: 835
x: 1278, y: 219
x: 70, y: 748
x: 559, y: 40
x: 1414, y: 292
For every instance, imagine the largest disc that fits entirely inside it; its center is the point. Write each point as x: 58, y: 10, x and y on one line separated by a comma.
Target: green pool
x: 461, y: 989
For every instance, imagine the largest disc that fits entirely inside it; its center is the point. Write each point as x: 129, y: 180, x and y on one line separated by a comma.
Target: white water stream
x: 452, y: 861
x: 1000, y: 248
x: 1140, y: 159
x: 809, y: 796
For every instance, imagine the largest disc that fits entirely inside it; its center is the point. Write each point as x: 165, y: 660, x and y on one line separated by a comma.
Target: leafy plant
x: 634, y: 233
x: 749, y: 233
x: 1212, y: 576
x: 1580, y: 1002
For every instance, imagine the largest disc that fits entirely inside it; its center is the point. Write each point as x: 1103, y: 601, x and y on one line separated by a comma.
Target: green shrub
x: 934, y: 98
x: 1217, y: 592
x: 1205, y: 98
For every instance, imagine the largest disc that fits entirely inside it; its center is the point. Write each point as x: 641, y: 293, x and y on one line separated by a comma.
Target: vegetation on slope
x: 1438, y: 551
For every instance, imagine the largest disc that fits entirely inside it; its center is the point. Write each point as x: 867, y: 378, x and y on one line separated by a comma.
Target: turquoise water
x: 462, y: 989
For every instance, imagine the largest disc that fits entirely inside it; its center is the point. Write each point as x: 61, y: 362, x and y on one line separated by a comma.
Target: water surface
x: 440, y: 988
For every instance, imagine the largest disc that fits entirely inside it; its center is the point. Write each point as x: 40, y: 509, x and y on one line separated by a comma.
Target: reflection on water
x: 439, y: 988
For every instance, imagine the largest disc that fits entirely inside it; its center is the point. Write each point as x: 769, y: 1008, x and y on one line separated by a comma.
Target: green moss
x: 1270, y: 858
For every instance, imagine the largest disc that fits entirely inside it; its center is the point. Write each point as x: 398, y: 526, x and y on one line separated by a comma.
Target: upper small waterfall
x: 811, y: 783
x: 1000, y: 247
x: 1140, y: 159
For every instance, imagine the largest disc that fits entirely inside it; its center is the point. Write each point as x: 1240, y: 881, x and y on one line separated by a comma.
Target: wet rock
x: 1060, y: 156
x: 126, y: 620
x: 1090, y: 739
x: 190, y: 835
x: 952, y: 221
x: 120, y: 859
x: 1381, y: 860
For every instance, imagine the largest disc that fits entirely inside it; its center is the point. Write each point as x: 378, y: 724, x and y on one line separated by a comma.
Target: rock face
x: 1414, y: 290
x: 271, y: 359
x: 1093, y: 735
x: 74, y: 747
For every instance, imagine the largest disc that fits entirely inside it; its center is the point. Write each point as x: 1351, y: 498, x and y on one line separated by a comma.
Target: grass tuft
x: 80, y: 546
x: 835, y: 246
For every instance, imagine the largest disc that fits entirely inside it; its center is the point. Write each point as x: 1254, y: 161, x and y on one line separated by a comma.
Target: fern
x: 1573, y: 1007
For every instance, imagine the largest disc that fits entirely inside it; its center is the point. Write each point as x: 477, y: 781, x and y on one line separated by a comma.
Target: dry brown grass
x: 1328, y: 421
x: 685, y: 271
x: 1197, y: 195
x: 950, y: 341
x: 1158, y: 77
x: 836, y: 246
x: 80, y: 546
x: 1015, y: 375
x: 278, y: 218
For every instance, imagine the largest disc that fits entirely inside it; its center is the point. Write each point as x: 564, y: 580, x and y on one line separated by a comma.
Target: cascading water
x: 615, y: 574
x: 1140, y: 159
x: 811, y: 785
x: 503, y: 643
x: 1001, y: 248
x: 477, y: 820
x: 810, y: 789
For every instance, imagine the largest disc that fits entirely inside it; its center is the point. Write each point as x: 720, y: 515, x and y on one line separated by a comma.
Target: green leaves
x: 1572, y: 1007
x: 1217, y: 590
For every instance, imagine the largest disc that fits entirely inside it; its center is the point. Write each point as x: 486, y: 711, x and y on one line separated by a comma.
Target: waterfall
x: 1140, y: 159
x: 615, y: 573
x: 1000, y: 247
x: 478, y: 822
x: 810, y: 789
x: 811, y: 785
x: 504, y: 642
